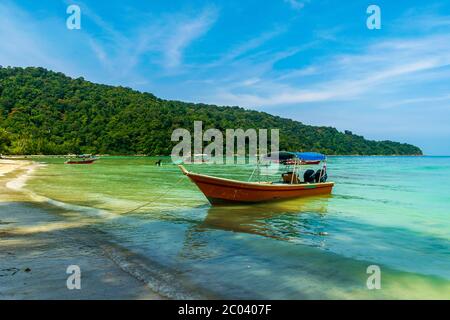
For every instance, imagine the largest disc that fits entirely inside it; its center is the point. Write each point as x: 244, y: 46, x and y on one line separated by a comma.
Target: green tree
x: 5, y: 140
x: 47, y: 112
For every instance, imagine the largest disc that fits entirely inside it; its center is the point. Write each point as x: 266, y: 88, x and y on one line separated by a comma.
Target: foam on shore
x: 7, y: 166
x: 18, y: 183
x: 157, y: 278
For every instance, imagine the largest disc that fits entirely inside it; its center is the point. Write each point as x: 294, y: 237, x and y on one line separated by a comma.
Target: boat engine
x: 308, y: 176
x: 320, y: 174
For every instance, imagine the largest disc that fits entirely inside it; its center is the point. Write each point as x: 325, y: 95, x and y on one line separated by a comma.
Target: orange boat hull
x: 219, y: 190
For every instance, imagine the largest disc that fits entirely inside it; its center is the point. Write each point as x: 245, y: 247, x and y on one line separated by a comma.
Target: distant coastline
x: 21, y: 157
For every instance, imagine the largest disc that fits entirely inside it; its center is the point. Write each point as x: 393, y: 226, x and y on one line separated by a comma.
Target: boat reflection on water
x: 300, y: 220
x: 276, y: 219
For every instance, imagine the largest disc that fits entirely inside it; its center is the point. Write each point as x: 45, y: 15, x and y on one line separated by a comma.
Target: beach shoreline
x: 39, y: 244
x: 31, y: 156
x: 67, y: 215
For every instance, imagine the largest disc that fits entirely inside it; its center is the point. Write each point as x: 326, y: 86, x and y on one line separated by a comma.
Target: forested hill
x: 44, y: 112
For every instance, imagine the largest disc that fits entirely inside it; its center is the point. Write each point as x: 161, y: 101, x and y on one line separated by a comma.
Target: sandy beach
x: 37, y: 244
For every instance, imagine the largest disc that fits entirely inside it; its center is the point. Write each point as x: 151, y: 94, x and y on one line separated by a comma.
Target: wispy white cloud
x: 432, y: 21
x: 165, y: 39
x: 423, y: 20
x: 20, y: 45
x: 296, y: 4
x: 241, y: 49
x: 34, y: 42
x: 185, y: 32
x: 346, y: 77
x: 103, y: 53
x: 100, y: 53
x: 419, y: 100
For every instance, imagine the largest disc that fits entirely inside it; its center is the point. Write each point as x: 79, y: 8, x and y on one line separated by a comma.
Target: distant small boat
x: 196, y: 158
x: 220, y: 190
x: 82, y: 159
x: 86, y: 161
x: 310, y: 162
x: 301, y: 162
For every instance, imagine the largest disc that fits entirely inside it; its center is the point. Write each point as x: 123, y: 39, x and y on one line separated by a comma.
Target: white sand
x: 7, y: 166
x: 38, y: 244
x: 20, y: 181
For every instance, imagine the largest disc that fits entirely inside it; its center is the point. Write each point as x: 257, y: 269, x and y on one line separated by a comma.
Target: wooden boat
x: 221, y: 190
x: 292, y: 162
x: 82, y: 159
x: 306, y: 162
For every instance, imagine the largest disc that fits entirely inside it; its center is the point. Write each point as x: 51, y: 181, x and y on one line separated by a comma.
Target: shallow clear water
x: 387, y: 211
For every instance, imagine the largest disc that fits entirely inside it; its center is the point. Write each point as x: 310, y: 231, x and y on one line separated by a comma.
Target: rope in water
x: 165, y: 191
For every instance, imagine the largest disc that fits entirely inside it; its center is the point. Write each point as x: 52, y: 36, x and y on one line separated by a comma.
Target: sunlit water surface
x: 392, y: 212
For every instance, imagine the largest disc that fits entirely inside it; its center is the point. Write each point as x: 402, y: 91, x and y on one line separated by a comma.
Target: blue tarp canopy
x: 310, y: 156
x: 306, y: 156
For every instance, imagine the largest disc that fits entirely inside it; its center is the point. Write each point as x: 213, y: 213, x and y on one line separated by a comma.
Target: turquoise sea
x: 392, y: 212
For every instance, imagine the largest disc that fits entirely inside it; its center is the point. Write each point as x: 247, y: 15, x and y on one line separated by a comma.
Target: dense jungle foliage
x: 45, y: 112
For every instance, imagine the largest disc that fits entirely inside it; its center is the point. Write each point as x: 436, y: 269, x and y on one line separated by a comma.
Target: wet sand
x: 37, y: 244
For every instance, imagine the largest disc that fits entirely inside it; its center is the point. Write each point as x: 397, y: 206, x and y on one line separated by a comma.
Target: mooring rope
x: 165, y: 191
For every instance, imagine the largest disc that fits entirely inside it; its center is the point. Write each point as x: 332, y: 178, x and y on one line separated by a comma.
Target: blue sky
x: 309, y: 60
